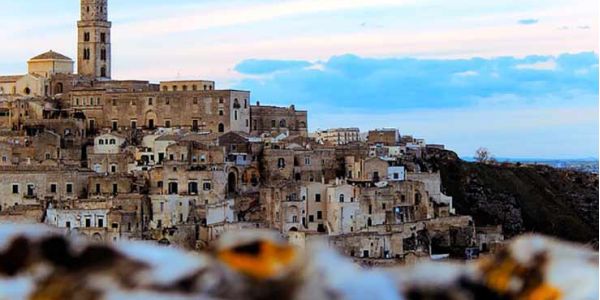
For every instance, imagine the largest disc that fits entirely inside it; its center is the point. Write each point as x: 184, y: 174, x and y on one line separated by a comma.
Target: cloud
x: 467, y: 73
x: 528, y: 21
x: 258, y: 67
x: 549, y: 64
x: 380, y: 84
x: 497, y: 102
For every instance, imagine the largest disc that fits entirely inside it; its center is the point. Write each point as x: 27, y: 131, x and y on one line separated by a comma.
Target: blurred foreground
x: 39, y: 263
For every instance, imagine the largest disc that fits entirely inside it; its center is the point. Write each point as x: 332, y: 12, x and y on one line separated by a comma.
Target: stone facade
x: 275, y: 120
x: 181, y: 162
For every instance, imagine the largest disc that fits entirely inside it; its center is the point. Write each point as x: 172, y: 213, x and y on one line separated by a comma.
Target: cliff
x: 521, y: 198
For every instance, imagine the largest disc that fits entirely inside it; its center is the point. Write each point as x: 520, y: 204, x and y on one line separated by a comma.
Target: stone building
x: 338, y: 136
x: 276, y: 120
x: 22, y: 185
x: 385, y: 137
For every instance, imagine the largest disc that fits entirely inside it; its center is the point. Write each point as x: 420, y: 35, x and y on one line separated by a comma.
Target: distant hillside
x: 558, y: 202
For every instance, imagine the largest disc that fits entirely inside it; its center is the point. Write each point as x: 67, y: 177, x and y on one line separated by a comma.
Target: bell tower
x: 93, y: 35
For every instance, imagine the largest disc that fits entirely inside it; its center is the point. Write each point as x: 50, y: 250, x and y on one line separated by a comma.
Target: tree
x: 483, y: 155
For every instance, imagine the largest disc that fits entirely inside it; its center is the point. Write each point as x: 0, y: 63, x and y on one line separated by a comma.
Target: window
x: 195, y: 88
x: 101, y: 142
x: 281, y: 163
x: 168, y: 123
x: 307, y: 161
x: 370, y: 209
x: 88, y: 222
x: 30, y: 189
x: 103, y: 71
x: 114, y: 102
x: 68, y: 224
x: 103, y: 37
x: 341, y: 197
x: 174, y: 89
x: 53, y: 188
x: 221, y: 128
x: 396, y: 176
x: 195, y: 126
x: 206, y: 186
x: 86, y: 54
x: 86, y: 36
x: 115, y: 188
x: 103, y: 54
x: 173, y: 188
x: 69, y: 188
x: 149, y: 101
x: 184, y: 87
x: 319, y: 215
x: 100, y: 222
x: 115, y: 125
x: 98, y: 189
x: 113, y: 168
x: 195, y: 101
x: 311, y: 218
x: 48, y: 156
x: 383, y: 206
x: 235, y: 115
x: 273, y: 123
x: 317, y: 197
x: 221, y: 112
x: 133, y: 124
x: 282, y: 123
x: 113, y: 141
x: 193, y: 187
x: 221, y: 101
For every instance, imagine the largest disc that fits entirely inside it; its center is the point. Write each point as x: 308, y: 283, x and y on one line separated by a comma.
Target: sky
x: 517, y: 77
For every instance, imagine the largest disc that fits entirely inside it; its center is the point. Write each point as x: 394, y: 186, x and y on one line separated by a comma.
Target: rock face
x: 561, y: 203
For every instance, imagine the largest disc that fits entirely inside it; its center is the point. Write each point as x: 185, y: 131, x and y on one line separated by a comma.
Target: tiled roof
x: 51, y: 55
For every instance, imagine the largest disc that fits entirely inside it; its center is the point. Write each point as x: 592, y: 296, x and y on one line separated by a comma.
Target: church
x: 103, y: 103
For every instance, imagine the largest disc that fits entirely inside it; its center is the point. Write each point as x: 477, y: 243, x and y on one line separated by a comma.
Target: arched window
x: 417, y: 198
x: 341, y: 197
x: 281, y: 163
x: 113, y: 141
x: 103, y: 54
x: 59, y: 88
x: 369, y: 222
x: 27, y: 91
x: 221, y: 127
x: 103, y: 71
x: 282, y: 123
x: 101, y: 142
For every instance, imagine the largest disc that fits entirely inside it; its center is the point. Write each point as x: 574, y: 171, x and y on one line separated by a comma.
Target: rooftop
x: 51, y: 55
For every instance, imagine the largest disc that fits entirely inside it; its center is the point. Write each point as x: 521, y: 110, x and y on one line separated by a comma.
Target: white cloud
x: 548, y: 65
x: 468, y: 73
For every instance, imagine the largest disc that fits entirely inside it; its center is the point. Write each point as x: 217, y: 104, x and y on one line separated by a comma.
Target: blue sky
x: 519, y: 77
